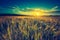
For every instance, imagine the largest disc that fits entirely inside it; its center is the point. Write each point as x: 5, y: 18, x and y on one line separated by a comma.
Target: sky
x: 28, y: 6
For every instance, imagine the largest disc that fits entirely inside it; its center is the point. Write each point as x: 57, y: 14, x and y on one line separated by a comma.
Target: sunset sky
x: 30, y: 7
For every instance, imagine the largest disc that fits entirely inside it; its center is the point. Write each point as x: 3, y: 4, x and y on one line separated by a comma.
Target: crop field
x: 29, y: 28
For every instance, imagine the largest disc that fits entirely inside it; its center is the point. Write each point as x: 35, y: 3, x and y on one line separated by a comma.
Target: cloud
x: 28, y: 11
x: 54, y: 8
x: 33, y: 11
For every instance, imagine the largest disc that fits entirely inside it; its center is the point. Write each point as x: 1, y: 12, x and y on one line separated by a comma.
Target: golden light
x: 34, y: 12
x: 38, y: 12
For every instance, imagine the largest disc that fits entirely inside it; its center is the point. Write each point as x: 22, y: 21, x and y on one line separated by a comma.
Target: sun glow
x: 37, y: 12
x: 34, y: 12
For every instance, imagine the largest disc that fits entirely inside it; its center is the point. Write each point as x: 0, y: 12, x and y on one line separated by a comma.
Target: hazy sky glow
x: 28, y: 6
